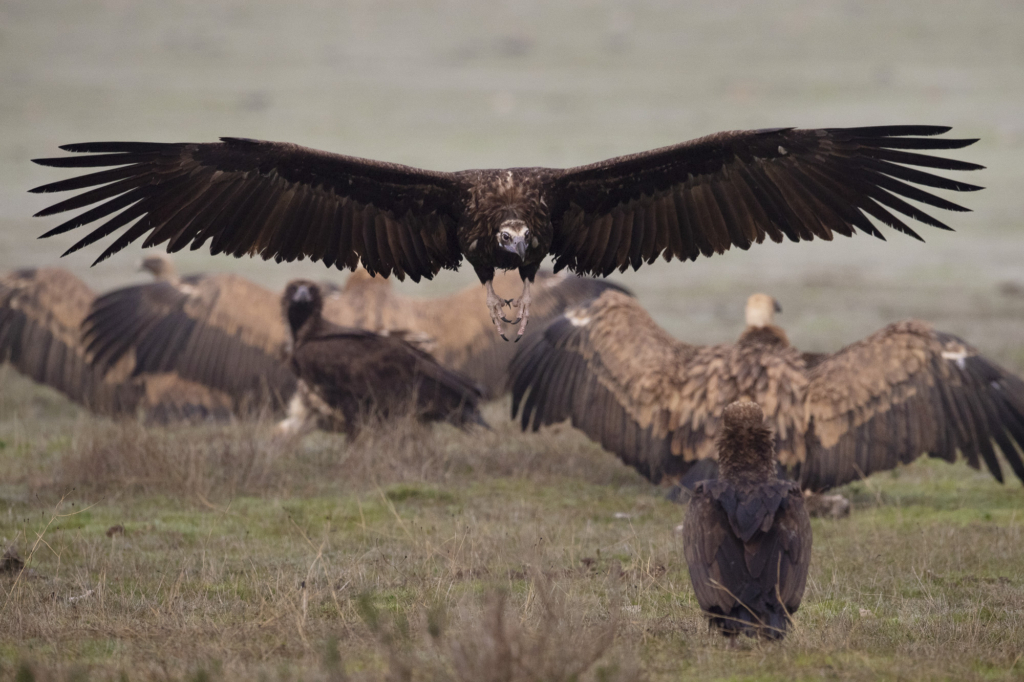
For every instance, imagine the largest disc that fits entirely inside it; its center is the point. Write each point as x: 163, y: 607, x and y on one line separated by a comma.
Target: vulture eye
x: 505, y: 236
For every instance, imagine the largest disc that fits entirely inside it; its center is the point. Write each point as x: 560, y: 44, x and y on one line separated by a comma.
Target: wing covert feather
x: 905, y: 391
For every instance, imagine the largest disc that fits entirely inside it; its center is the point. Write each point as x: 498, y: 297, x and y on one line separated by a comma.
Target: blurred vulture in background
x: 657, y: 402
x: 219, y: 330
x: 458, y: 325
x: 41, y: 313
x: 348, y: 375
x: 283, y: 201
x: 747, y: 536
x: 227, y: 333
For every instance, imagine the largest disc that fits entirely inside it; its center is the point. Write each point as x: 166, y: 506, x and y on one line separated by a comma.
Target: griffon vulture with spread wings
x: 282, y: 201
x: 41, y: 314
x: 219, y: 330
x: 657, y: 402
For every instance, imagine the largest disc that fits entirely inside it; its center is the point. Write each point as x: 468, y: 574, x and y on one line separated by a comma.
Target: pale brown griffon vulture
x: 41, y: 313
x: 747, y: 537
x: 657, y: 402
x: 702, y: 197
x: 219, y: 330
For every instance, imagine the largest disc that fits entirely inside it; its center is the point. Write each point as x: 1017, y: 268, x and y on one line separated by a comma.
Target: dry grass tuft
x: 200, y: 461
x: 547, y: 639
x: 221, y: 461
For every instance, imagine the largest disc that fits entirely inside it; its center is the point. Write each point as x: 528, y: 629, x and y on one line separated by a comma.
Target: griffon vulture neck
x: 162, y: 268
x: 361, y: 278
x: 746, y: 448
x: 760, y: 315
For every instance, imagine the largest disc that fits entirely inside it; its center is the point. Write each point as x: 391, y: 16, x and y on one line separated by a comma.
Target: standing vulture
x: 41, y: 313
x: 219, y: 330
x: 747, y: 536
x: 658, y: 403
x: 283, y: 201
x: 355, y: 373
x: 458, y: 325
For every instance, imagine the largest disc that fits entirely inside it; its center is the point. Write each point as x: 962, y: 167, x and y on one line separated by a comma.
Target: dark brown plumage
x: 359, y: 374
x: 458, y: 326
x: 221, y: 331
x: 747, y: 536
x: 701, y: 197
x: 658, y: 403
x: 41, y: 313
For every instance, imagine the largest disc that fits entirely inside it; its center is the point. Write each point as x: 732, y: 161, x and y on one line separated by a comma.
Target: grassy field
x: 432, y: 554
x: 214, y: 553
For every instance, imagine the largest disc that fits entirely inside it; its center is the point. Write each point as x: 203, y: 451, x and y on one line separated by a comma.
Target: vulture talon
x: 494, y: 305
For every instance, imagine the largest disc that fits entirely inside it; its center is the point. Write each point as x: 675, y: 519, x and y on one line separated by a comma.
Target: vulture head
x: 761, y: 309
x: 302, y: 302
x: 161, y: 267
x: 746, y: 448
x: 514, y: 237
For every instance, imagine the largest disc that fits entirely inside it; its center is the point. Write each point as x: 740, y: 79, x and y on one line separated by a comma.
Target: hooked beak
x: 515, y: 237
x: 519, y: 244
x: 778, y: 308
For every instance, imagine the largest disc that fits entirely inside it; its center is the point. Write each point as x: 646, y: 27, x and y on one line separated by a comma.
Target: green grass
x: 541, y: 555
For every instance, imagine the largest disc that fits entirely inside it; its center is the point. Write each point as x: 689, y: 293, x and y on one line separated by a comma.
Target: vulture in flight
x: 658, y: 403
x: 219, y: 330
x: 283, y: 201
x: 41, y: 314
x: 346, y: 375
x: 747, y: 536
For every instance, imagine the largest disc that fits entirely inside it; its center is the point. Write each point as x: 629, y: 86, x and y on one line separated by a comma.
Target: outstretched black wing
x: 735, y: 188
x: 271, y: 199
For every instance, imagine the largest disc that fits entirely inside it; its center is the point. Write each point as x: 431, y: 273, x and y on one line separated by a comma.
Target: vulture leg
x: 494, y: 305
x: 523, y: 304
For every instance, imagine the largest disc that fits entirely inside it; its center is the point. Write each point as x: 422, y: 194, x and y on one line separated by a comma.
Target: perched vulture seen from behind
x: 41, y: 313
x: 458, y: 325
x: 747, y: 536
x: 702, y: 197
x: 219, y: 330
x: 658, y: 403
x: 358, y: 374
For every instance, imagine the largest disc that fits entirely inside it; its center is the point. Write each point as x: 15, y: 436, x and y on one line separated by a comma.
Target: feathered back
x: 654, y: 401
x: 358, y: 372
